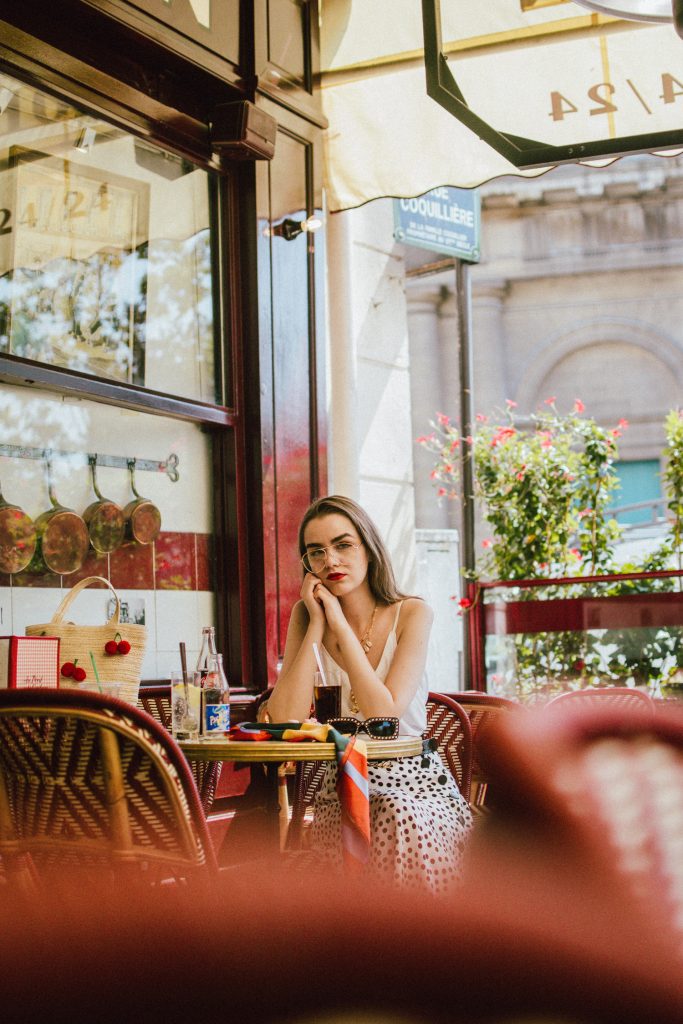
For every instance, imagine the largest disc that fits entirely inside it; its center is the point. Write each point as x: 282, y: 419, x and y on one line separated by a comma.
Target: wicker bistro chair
x: 156, y: 701
x: 93, y: 786
x: 482, y: 709
x: 449, y: 725
x: 616, y: 696
x: 604, y: 785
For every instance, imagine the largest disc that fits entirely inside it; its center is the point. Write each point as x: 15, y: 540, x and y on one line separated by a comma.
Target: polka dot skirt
x: 419, y: 821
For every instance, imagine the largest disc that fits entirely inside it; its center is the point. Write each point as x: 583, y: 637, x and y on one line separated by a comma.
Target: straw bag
x: 78, y: 641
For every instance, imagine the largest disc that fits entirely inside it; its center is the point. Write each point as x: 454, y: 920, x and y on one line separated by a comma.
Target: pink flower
x: 442, y: 419
x: 503, y: 434
x: 441, y: 491
x: 550, y: 401
x: 520, y: 475
x: 615, y: 432
x: 575, y: 553
x: 469, y: 439
x: 434, y: 475
x: 448, y: 467
x: 510, y: 404
x: 622, y: 424
x: 487, y: 542
x: 543, y: 565
x: 465, y: 603
x: 425, y: 439
x: 454, y: 445
x: 579, y: 406
x: 481, y: 418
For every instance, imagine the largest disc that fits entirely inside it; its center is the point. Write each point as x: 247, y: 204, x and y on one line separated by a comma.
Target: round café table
x: 275, y: 753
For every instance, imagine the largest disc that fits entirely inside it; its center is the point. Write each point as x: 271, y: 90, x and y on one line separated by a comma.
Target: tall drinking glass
x: 326, y: 699
x: 185, y: 705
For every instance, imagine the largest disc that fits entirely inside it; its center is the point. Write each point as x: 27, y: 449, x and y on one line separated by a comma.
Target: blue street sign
x: 443, y: 220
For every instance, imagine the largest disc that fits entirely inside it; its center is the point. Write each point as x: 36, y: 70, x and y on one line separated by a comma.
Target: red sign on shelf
x: 29, y: 661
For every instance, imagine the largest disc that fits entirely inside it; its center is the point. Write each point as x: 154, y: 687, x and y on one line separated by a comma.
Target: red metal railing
x: 557, y: 614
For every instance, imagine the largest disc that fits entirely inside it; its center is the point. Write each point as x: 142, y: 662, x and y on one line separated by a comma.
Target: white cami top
x: 413, y: 721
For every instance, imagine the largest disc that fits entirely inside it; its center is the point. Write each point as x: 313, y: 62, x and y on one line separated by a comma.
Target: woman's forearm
x: 292, y: 695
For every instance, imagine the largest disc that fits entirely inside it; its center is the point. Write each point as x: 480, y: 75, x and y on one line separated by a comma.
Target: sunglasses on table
x: 376, y: 728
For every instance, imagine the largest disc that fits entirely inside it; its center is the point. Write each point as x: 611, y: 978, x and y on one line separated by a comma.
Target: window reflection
x: 105, y: 263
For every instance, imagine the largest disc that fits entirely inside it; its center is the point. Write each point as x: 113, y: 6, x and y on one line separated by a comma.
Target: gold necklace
x: 365, y: 640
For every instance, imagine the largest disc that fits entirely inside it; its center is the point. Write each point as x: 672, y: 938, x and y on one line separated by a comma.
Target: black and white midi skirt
x: 419, y: 822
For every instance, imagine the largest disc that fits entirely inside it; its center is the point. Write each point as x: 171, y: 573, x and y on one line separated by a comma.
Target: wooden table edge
x: 277, y: 750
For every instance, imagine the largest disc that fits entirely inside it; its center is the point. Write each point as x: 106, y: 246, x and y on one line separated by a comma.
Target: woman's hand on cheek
x: 336, y: 619
x: 310, y: 589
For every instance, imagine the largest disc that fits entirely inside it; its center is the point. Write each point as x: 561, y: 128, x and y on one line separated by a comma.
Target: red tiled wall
x: 176, y: 561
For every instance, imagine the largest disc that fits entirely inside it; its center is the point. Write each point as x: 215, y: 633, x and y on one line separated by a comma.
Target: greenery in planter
x: 545, y: 485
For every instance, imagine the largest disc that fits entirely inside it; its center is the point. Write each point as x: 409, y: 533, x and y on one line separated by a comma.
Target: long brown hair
x: 380, y: 573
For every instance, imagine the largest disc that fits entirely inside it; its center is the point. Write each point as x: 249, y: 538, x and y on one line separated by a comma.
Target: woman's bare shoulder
x: 415, y: 610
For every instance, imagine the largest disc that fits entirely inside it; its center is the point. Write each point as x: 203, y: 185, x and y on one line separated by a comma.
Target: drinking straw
x: 320, y: 664
x: 94, y: 668
x: 183, y: 663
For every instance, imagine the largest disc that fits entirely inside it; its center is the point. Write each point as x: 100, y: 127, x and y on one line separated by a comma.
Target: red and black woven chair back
x: 605, y: 784
x: 94, y: 784
x: 156, y: 701
x: 449, y: 725
x: 308, y: 777
x: 615, y: 696
x: 482, y: 709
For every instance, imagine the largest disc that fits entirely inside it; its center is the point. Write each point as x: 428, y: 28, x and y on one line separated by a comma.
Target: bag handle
x: 76, y: 589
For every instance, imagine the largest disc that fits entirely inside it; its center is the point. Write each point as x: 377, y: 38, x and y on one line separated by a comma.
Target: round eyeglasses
x: 343, y: 551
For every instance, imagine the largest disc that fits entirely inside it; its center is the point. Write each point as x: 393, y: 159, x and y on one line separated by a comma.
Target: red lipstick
x: 334, y: 576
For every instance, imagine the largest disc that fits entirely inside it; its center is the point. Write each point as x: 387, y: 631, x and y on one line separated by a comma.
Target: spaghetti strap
x: 398, y: 612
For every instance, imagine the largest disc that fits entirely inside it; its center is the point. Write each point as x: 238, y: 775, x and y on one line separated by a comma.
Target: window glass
x: 105, y: 261
x: 168, y: 583
x: 638, y: 498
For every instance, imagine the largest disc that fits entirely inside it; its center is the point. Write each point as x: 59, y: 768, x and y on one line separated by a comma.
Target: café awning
x: 548, y: 72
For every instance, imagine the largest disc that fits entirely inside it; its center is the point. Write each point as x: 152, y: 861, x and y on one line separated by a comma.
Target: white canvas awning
x: 546, y: 70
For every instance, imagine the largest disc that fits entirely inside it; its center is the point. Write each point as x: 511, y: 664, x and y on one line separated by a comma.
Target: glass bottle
x: 207, y: 650
x: 215, y: 699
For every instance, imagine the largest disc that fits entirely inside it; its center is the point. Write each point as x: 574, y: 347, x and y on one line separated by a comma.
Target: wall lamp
x: 85, y: 140
x: 290, y: 229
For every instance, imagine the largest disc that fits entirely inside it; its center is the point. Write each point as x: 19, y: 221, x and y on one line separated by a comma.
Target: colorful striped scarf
x: 352, y: 789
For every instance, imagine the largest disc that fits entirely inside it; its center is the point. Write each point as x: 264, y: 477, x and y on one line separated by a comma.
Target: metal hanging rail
x: 169, y: 466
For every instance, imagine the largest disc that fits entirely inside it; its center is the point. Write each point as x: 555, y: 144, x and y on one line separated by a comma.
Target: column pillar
x: 426, y: 397
x: 344, y: 443
x: 490, y: 355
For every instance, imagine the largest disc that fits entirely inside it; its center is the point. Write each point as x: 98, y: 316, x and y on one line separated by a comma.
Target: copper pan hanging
x: 106, y: 522
x: 143, y: 518
x: 63, y: 538
x: 17, y: 537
